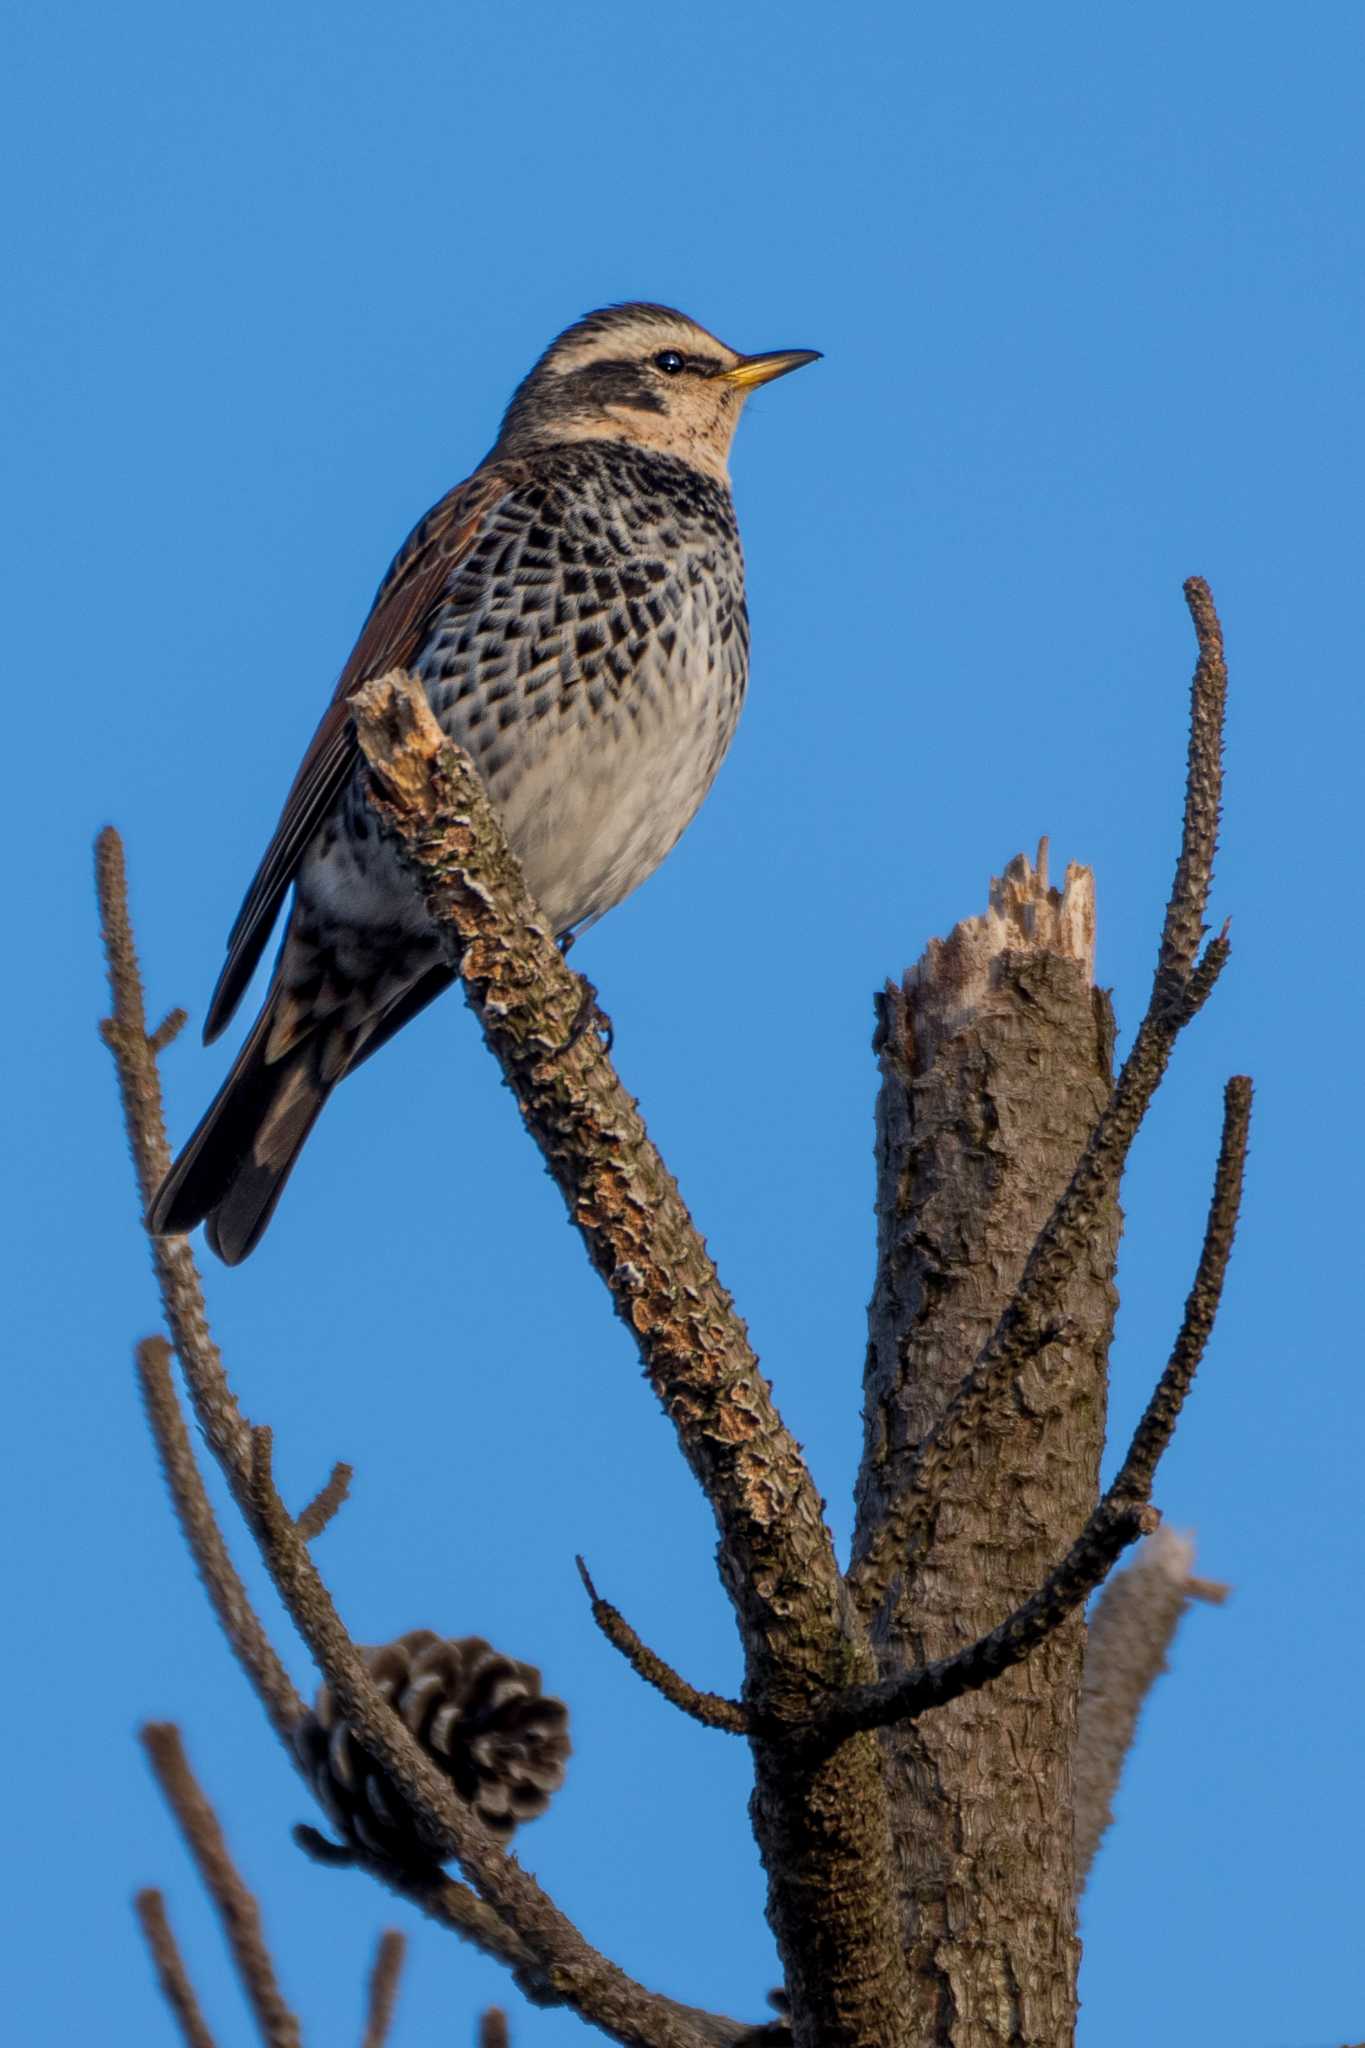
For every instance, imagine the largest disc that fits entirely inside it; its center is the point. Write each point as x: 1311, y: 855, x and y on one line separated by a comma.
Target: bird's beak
x: 751, y: 371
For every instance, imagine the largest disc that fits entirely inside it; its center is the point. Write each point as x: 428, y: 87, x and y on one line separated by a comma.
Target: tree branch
x: 1131, y: 1631
x: 1180, y: 984
x: 135, y: 1053
x: 325, y: 1502
x: 237, y: 1618
x: 493, y: 2031
x: 839, y: 1940
x: 459, y: 1910
x: 620, y: 1194
x: 388, y: 1964
x: 237, y: 1908
x: 1157, y: 1426
x: 710, y: 1708
x: 171, y: 1973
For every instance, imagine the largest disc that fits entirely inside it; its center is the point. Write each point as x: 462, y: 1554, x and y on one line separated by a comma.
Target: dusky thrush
x: 575, y: 612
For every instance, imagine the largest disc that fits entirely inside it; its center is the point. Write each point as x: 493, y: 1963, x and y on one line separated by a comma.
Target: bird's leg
x: 591, y: 1017
x: 590, y: 1014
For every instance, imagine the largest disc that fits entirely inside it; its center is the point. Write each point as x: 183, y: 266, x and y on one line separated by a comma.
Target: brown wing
x: 391, y: 638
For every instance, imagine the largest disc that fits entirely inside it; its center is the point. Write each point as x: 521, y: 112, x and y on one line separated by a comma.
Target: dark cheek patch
x: 598, y: 385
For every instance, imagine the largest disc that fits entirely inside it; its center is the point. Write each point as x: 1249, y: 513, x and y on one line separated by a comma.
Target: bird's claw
x: 590, y: 1017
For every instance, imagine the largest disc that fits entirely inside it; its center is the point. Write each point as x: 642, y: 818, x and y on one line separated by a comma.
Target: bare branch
x: 619, y: 1192
x: 388, y: 1963
x: 171, y: 1973
x: 1155, y: 1430
x: 1184, y: 927
x: 182, y: 1293
x: 1180, y: 984
x: 710, y: 1708
x: 237, y: 1908
x: 840, y: 1942
x: 583, y: 1979
x: 444, y: 1900
x: 237, y: 1618
x: 456, y: 1908
x: 1211, y: 1591
x: 168, y: 1030
x: 493, y: 2031
x: 325, y: 1502
x: 1131, y: 1631
x: 1121, y: 1516
x: 1110, y: 1529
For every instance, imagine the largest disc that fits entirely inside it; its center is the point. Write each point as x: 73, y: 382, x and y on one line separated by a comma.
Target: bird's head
x: 645, y: 374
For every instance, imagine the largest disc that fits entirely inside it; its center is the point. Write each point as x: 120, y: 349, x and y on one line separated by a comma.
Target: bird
x: 575, y: 613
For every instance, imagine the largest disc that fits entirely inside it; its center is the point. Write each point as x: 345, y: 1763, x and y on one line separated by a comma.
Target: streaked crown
x: 641, y: 373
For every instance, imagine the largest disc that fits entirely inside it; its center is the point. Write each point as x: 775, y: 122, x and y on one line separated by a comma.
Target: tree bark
x: 995, y: 1055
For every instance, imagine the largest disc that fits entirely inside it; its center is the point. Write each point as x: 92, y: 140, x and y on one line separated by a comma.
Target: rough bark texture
x: 995, y: 1058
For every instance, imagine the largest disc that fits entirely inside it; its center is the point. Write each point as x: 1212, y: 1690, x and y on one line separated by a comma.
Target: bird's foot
x: 590, y: 1017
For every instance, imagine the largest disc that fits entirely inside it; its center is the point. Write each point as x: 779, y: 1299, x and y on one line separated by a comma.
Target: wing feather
x: 391, y: 638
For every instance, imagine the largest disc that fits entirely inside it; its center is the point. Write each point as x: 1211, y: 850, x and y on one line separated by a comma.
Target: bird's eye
x: 669, y: 361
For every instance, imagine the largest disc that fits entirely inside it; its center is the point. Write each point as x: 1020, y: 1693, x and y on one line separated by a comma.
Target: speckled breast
x: 591, y: 654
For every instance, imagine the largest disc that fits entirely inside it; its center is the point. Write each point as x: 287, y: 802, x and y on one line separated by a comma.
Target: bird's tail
x: 233, y: 1170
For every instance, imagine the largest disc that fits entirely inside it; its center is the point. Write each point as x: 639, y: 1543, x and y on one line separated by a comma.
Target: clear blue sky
x: 1089, y: 284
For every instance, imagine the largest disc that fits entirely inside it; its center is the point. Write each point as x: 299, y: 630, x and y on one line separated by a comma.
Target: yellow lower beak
x: 750, y: 371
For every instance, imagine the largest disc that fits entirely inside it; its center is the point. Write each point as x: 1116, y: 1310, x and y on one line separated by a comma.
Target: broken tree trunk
x: 995, y: 1056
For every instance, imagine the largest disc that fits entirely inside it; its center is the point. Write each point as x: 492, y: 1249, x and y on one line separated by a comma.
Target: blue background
x: 1089, y: 286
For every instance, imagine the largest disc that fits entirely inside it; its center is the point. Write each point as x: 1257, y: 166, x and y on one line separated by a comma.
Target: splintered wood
x: 954, y: 978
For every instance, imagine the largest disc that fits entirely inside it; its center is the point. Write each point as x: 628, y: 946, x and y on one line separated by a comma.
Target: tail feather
x: 233, y: 1170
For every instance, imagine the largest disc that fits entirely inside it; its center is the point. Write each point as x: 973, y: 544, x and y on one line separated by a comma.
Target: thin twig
x: 454, y: 1907
x: 237, y: 1908
x: 238, y: 1619
x: 1154, y: 1431
x: 1120, y: 1517
x: 1180, y: 984
x: 171, y: 1973
x: 388, y: 1963
x: 1212, y: 1591
x: 325, y: 1502
x: 443, y: 1899
x: 712, y: 1709
x: 168, y: 1030
x: 595, y: 1987
x: 182, y: 1293
x: 1184, y: 926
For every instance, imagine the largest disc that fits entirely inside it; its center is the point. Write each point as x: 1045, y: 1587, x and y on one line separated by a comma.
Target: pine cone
x: 481, y: 1718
